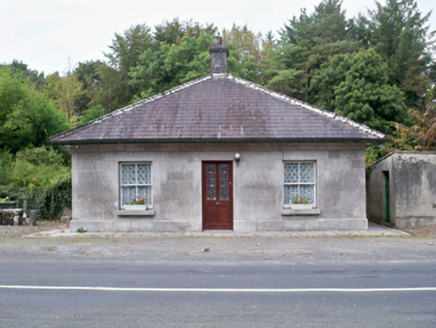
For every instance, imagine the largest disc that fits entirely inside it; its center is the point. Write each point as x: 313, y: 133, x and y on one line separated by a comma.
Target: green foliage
x: 143, y: 63
x: 167, y: 66
x: 6, y: 168
x: 18, y: 68
x: 92, y: 113
x: 422, y: 135
x: 170, y: 32
x: 306, y: 43
x: 65, y: 91
x: 29, y: 171
x: 357, y: 87
x: 245, y: 53
x: 50, y: 202
x: 398, y: 31
x: 39, y: 177
x: 26, y: 117
x: 287, y: 81
x: 124, y: 54
x: 88, y: 74
x: 374, y: 153
x: 37, y: 168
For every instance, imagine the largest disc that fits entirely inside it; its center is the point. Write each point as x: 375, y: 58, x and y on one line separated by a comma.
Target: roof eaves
x: 216, y: 140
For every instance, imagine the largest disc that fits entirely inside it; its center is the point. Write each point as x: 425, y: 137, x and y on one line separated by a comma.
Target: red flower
x: 301, y: 200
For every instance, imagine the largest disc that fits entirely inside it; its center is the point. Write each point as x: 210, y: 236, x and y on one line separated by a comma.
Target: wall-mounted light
x: 237, y: 158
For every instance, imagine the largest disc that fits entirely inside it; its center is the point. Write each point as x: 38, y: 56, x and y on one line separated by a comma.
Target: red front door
x: 217, y: 196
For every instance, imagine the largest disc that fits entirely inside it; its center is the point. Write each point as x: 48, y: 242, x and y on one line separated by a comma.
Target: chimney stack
x: 218, y: 55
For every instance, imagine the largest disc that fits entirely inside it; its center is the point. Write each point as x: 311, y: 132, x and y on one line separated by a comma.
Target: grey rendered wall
x: 415, y: 188
x: 257, y: 181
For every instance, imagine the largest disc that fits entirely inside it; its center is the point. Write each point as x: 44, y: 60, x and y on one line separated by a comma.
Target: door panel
x: 217, y: 196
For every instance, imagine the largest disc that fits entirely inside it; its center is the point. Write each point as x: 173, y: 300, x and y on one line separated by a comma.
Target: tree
x: 268, y: 46
x: 357, y: 87
x: 399, y: 32
x: 170, y: 32
x: 306, y: 43
x: 170, y: 65
x: 65, y: 91
x: 26, y: 117
x: 422, y: 135
x: 36, y: 79
x: 124, y: 54
x: 166, y: 65
x: 92, y: 113
x: 328, y: 79
x: 92, y: 92
x: 245, y: 54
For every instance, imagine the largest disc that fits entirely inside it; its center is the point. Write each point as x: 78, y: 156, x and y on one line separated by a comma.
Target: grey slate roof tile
x: 218, y: 107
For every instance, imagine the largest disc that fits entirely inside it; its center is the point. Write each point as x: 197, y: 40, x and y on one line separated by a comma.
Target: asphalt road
x: 86, y: 292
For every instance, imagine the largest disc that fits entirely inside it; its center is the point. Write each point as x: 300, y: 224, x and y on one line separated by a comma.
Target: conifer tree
x: 365, y: 95
x: 399, y: 32
x: 306, y: 43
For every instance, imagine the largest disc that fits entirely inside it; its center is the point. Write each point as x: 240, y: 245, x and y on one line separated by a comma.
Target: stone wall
x: 257, y: 186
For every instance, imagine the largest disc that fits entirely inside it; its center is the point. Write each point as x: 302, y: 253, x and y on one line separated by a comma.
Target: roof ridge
x: 365, y: 129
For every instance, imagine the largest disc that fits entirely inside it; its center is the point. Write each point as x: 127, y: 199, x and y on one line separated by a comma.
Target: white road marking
x: 223, y: 290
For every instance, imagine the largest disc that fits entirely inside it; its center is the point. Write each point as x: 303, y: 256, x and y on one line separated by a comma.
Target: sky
x: 55, y: 35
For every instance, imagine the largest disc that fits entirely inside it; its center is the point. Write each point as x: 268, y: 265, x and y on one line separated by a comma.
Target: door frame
x: 203, y: 194
x: 387, y: 196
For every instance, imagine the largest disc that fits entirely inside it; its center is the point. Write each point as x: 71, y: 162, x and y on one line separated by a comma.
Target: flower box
x: 301, y: 206
x: 135, y: 207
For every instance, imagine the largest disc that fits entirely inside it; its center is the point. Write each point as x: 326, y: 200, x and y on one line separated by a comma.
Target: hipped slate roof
x: 218, y: 108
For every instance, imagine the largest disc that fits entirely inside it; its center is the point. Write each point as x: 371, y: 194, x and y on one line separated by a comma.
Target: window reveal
x: 300, y: 183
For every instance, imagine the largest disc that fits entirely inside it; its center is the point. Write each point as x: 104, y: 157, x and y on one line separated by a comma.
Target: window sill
x: 149, y: 212
x: 299, y: 212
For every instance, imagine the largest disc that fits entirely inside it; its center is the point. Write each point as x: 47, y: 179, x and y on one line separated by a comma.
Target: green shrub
x: 39, y: 178
x: 50, y: 202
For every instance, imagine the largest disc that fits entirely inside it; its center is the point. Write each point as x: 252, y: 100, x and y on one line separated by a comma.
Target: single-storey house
x: 402, y: 189
x: 219, y: 153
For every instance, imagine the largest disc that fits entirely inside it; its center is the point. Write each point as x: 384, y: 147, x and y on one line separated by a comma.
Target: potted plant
x: 298, y: 203
x: 138, y: 204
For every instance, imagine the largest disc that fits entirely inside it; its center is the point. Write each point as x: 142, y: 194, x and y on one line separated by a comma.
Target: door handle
x: 218, y: 203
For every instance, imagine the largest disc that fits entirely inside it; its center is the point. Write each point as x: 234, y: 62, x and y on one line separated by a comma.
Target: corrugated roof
x: 218, y: 107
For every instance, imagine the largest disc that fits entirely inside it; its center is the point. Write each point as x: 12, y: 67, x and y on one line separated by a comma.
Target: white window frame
x: 314, y: 183
x: 136, y: 185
